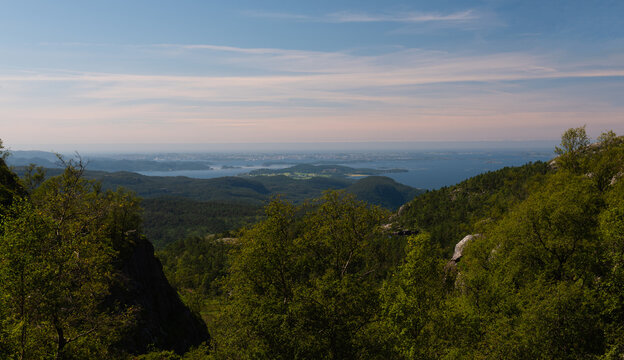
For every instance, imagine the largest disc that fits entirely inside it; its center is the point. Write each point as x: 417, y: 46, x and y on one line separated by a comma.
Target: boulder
x: 459, y: 247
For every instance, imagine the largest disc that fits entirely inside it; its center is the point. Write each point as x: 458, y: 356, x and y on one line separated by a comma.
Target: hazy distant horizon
x: 286, y: 146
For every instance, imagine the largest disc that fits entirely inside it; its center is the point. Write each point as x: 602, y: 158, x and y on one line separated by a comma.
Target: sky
x: 132, y: 73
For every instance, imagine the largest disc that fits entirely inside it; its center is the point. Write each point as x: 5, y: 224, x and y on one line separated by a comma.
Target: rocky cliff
x: 163, y: 321
x: 9, y: 185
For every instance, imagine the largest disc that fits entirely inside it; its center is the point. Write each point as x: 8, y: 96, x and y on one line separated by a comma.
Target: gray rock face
x: 451, y: 267
x: 459, y: 247
x: 553, y: 164
x: 402, y: 209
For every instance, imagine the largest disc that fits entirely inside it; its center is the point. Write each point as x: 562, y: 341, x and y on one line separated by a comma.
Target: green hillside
x: 177, y: 207
x: 166, y: 219
x: 519, y: 263
x: 539, y: 277
x: 383, y: 191
x: 451, y: 212
x: 257, y: 190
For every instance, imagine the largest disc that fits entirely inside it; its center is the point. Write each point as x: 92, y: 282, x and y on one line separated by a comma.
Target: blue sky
x: 146, y: 72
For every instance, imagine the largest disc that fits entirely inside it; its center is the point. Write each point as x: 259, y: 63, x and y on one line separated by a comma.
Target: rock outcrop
x: 459, y: 251
x: 163, y: 321
x: 9, y: 186
x: 459, y: 247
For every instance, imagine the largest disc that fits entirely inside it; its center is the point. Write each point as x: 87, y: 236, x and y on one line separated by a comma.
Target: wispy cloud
x: 410, y: 17
x: 296, y: 95
x: 278, y: 15
x: 362, y: 17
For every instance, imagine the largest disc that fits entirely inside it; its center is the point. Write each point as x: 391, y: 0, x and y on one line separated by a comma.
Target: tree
x: 3, y: 153
x: 612, y: 233
x: 607, y: 138
x: 533, y: 281
x: 573, y: 141
x: 56, y: 255
x: 411, y: 298
x: 10, y: 186
x: 305, y: 282
x: 606, y: 164
x: 33, y: 177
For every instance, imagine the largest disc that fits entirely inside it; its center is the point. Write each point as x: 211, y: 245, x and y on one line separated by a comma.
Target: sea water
x: 423, y: 169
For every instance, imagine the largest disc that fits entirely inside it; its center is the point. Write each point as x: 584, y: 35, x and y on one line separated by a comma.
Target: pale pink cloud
x: 407, y: 94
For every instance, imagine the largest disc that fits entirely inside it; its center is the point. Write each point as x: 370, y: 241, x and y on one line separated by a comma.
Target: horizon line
x: 320, y: 146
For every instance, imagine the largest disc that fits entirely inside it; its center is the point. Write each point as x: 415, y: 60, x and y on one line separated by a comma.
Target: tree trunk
x: 61, y: 341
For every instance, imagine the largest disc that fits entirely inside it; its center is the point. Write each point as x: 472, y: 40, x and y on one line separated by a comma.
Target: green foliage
x: 534, y: 280
x: 159, y: 355
x: 553, y: 231
x: 180, y: 207
x: 573, y: 141
x: 10, y: 186
x: 3, y: 152
x: 605, y: 164
x: 383, y: 191
x: 448, y: 214
x: 611, y: 229
x: 56, y: 268
x: 411, y: 297
x: 33, y: 177
x: 196, y: 264
x: 543, y: 281
x: 169, y: 219
x: 607, y: 138
x: 304, y: 282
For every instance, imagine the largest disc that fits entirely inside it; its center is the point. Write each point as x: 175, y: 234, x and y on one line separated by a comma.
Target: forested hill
x: 538, y: 273
x: 257, y: 190
x: 542, y: 275
x: 449, y: 213
x: 468, y: 207
x: 179, y: 207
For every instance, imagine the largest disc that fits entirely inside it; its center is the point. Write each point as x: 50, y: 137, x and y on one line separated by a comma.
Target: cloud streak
x: 406, y: 94
x: 409, y: 17
x: 362, y: 17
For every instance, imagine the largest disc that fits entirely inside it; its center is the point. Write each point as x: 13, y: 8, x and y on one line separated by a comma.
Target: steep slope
x: 450, y: 213
x: 163, y: 321
x: 9, y: 185
x: 383, y: 191
x: 537, y: 270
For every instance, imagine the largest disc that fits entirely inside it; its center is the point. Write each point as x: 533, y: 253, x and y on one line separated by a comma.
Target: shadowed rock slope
x: 163, y: 321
